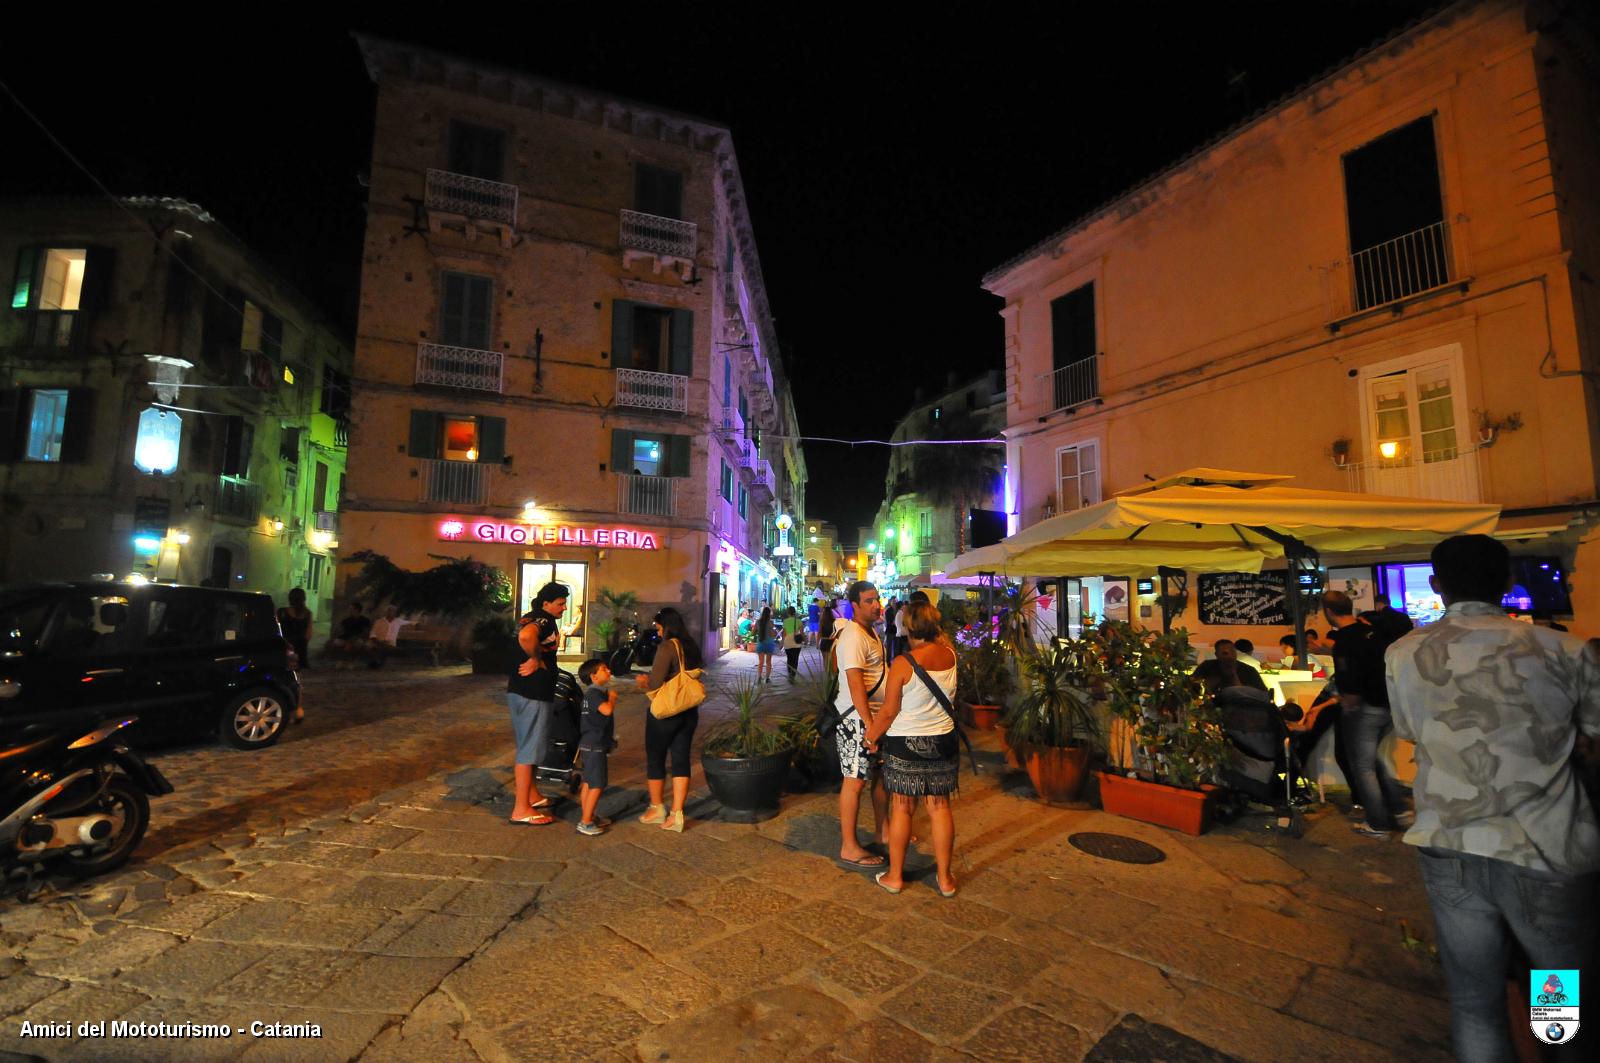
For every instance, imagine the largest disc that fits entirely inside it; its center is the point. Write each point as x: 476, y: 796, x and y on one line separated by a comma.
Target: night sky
x: 889, y: 163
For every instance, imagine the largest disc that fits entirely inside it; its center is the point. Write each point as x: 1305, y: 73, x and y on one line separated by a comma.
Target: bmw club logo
x: 1553, y: 1005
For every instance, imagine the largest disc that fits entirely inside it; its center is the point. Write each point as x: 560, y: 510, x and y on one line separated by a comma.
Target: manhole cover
x: 1117, y: 847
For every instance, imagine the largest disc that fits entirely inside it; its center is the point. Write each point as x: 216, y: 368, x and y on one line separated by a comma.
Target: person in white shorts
x: 859, y: 654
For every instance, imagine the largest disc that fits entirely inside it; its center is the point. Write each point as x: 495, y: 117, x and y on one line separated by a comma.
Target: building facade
x: 171, y: 407
x: 924, y: 523
x: 1384, y: 283
x: 565, y: 364
x: 824, y: 558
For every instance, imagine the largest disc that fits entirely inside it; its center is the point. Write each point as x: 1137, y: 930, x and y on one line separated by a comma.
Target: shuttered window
x: 435, y: 434
x: 477, y: 151
x: 59, y: 287
x: 630, y: 453
x: 464, y: 311
x: 654, y: 338
x: 658, y: 191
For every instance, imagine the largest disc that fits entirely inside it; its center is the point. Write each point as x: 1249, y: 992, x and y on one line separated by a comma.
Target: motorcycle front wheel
x: 129, y: 810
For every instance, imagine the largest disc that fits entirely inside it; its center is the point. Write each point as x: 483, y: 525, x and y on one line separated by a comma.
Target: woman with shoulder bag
x: 916, y: 733
x: 674, y: 735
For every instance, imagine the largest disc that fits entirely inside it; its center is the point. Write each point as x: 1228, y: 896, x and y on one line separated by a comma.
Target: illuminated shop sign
x: 486, y: 531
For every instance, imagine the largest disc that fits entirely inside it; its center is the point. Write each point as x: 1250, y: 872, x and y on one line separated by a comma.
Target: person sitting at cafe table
x: 1319, y: 666
x: 1226, y: 670
x: 1246, y: 651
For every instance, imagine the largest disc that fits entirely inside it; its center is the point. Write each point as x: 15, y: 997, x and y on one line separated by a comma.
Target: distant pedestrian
x: 1364, y: 699
x: 813, y: 618
x: 794, y: 640
x: 916, y: 733
x: 891, y: 643
x: 531, y: 697
x: 766, y: 645
x: 295, y: 621
x: 1507, y: 838
x: 742, y: 630
x: 825, y: 623
x: 672, y: 737
x: 596, y: 726
x: 901, y: 631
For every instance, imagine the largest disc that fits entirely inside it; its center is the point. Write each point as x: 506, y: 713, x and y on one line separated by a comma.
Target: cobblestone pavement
x: 362, y: 878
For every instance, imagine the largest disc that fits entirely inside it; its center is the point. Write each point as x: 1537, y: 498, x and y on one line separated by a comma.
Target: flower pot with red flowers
x: 1053, y: 721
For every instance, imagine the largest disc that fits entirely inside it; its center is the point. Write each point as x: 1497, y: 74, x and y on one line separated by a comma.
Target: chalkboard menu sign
x: 1243, y: 598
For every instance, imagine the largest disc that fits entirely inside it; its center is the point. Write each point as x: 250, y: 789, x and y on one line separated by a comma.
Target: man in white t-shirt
x: 385, y: 636
x: 860, y: 658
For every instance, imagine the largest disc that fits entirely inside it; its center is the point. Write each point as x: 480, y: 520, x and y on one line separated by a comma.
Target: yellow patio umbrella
x: 1219, y: 520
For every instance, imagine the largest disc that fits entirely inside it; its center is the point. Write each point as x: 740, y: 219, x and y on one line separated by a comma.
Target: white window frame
x: 1080, y: 500
x: 1450, y: 354
x: 48, y: 448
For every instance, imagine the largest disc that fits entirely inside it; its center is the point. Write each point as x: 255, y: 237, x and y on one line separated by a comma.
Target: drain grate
x: 1117, y: 847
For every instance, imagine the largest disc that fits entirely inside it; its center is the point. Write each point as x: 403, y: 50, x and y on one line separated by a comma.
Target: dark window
x: 464, y: 311
x: 319, y: 490
x: 1398, y: 241
x: 179, y: 621
x: 652, y: 338
x: 243, y: 616
x: 1072, y: 334
x: 335, y: 393
x: 289, y: 446
x: 92, y: 626
x: 477, y: 151
x: 237, y: 439
x: 744, y: 501
x: 221, y: 566
x: 727, y: 481
x: 657, y: 191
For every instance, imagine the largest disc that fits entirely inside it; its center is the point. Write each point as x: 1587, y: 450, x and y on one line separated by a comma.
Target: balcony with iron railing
x: 1074, y: 385
x: 655, y: 235
x: 474, y: 198
x: 458, y: 482
x: 1445, y: 476
x: 647, y: 496
x: 460, y: 367
x: 643, y: 389
x: 729, y: 424
x: 763, y: 479
x: 1414, y: 264
x: 745, y: 452
x: 238, y: 499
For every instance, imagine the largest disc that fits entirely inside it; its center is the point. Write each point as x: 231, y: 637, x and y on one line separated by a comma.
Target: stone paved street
x: 361, y: 877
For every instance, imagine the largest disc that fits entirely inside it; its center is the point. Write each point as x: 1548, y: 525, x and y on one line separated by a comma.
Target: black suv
x: 188, y: 661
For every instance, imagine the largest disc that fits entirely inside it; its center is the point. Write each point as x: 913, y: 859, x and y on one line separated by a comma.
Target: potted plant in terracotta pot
x: 746, y: 757
x: 1050, y: 725
x: 1169, y: 748
x: 984, y: 680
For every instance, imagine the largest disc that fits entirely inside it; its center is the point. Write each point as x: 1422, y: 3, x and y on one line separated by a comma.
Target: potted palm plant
x: 1050, y: 725
x: 746, y: 757
x: 984, y: 680
x: 1171, y: 749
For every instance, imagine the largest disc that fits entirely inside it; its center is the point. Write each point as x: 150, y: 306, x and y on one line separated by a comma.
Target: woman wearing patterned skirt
x: 917, y: 737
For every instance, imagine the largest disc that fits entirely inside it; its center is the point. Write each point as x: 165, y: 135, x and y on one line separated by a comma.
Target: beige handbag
x: 681, y: 693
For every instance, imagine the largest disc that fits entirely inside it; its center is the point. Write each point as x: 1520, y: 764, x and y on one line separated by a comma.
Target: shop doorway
x: 1093, y: 598
x: 531, y: 575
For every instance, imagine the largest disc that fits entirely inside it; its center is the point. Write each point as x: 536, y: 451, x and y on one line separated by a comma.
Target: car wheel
x: 254, y: 719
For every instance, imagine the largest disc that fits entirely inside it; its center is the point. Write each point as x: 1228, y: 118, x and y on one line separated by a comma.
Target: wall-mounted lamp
x: 1388, y: 448
x: 182, y: 538
x: 277, y: 524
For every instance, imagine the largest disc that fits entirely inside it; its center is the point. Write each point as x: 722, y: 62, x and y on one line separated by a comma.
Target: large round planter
x: 984, y: 717
x: 1057, y: 774
x: 747, y: 787
x: 1151, y: 802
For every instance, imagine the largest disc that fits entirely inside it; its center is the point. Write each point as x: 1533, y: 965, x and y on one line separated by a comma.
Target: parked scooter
x: 638, y: 649
x: 81, y: 801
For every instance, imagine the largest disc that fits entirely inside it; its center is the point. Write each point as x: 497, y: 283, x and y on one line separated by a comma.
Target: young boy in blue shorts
x: 595, y: 729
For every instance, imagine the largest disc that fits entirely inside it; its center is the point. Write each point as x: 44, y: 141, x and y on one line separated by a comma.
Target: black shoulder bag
x: 944, y: 703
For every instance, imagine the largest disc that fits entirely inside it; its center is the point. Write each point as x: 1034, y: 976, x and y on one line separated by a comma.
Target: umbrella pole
x: 1175, y: 576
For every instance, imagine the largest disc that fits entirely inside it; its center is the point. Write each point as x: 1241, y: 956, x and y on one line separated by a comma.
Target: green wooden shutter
x: 621, y: 450
x: 491, y: 439
x: 453, y: 309
x: 678, y: 454
x: 75, y: 432
x: 621, y: 334
x: 22, y: 290
x: 424, y: 434
x: 476, y: 328
x: 682, y: 361
x: 10, y: 423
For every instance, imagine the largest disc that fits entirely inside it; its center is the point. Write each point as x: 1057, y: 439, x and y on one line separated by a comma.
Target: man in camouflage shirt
x: 1506, y: 836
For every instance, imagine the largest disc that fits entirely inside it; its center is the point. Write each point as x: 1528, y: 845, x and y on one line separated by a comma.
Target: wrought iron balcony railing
x: 658, y: 235
x: 1407, y: 265
x: 763, y: 478
x: 460, y: 367
x: 653, y: 391
x: 472, y: 197
x: 460, y: 482
x: 1074, y: 385
x: 1445, y: 475
x: 647, y: 496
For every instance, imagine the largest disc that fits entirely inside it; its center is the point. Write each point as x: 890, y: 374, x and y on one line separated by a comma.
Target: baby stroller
x: 558, y: 771
x: 1260, y: 736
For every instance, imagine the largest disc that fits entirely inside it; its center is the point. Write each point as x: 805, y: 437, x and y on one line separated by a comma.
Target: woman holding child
x: 674, y: 735
x: 916, y: 733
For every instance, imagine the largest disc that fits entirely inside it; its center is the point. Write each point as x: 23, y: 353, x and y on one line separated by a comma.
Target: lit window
x: 461, y: 439
x: 47, y: 422
x: 647, y: 457
x: 288, y: 375
x: 61, y: 288
x: 155, y: 449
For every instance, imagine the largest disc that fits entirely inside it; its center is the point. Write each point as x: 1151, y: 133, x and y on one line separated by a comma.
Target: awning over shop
x: 1213, y: 520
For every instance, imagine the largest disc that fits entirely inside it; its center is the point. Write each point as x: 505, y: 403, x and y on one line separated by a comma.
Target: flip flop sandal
x: 878, y: 878
x: 870, y: 860
x: 538, y: 819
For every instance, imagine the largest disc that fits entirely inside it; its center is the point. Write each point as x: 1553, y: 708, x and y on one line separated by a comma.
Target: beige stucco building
x: 171, y: 406
x: 1384, y: 283
x: 565, y: 364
